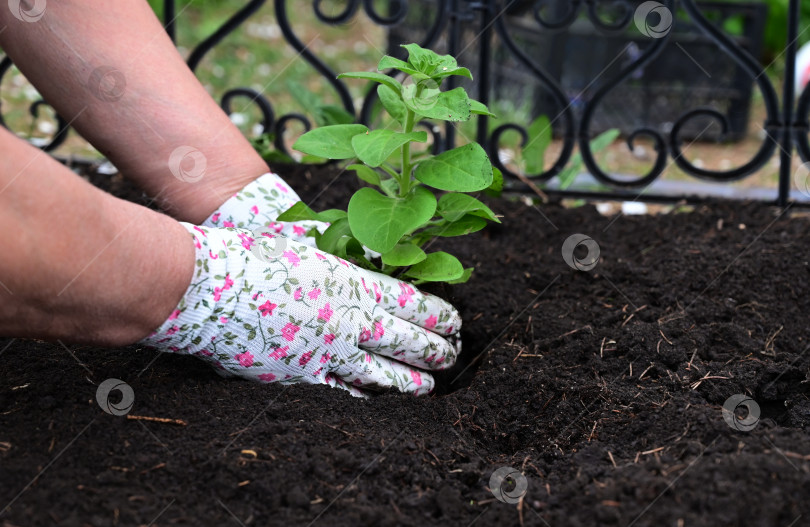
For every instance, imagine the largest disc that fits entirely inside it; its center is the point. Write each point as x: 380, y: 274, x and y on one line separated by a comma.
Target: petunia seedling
x: 399, y: 217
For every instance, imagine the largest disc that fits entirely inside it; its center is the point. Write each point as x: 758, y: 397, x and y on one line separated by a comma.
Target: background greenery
x: 775, y: 33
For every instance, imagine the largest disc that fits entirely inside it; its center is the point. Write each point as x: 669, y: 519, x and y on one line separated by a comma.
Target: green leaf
x: 307, y: 159
x: 304, y: 97
x: 379, y: 221
x: 331, y: 142
x: 300, y: 212
x: 426, y: 100
x: 392, y: 103
x: 328, y: 114
x: 496, y: 187
x: 534, y: 152
x: 375, y: 77
x: 275, y: 156
x: 314, y: 233
x: 454, y: 205
x: 604, y: 140
x: 423, y: 60
x: 464, y: 277
x: 569, y: 174
x: 388, y: 62
x: 330, y: 240
x: 369, y: 175
x: 421, y: 94
x: 443, y: 64
x: 403, y: 255
x: 463, y: 169
x: 443, y: 71
x: 357, y: 253
x: 437, y: 267
x: 324, y: 114
x: 330, y: 215
x: 390, y: 187
x: 375, y: 147
x: 480, y: 108
x: 264, y: 145
x: 468, y: 224
x: 432, y: 64
x: 349, y: 248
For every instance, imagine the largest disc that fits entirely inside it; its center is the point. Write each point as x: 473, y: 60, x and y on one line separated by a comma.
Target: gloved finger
x: 263, y: 376
x: 409, y: 303
x: 336, y: 382
x: 371, y: 371
x: 406, y: 342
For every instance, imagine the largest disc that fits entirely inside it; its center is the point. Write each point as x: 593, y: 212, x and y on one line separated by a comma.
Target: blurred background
x: 690, y: 72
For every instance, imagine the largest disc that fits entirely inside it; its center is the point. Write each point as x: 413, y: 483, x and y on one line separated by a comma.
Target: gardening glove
x: 273, y: 309
x: 259, y: 204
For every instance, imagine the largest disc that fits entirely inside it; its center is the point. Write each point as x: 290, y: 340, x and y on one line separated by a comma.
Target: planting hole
x: 463, y: 371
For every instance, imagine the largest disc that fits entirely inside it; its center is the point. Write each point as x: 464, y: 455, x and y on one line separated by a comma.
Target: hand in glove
x: 272, y: 309
x: 259, y: 204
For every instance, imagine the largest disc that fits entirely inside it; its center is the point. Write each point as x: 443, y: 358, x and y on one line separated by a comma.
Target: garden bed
x: 604, y: 387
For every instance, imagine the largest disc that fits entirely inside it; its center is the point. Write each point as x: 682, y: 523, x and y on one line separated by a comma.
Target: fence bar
x: 500, y: 34
x: 453, y: 46
x: 789, y: 94
x: 486, y: 11
x: 168, y: 19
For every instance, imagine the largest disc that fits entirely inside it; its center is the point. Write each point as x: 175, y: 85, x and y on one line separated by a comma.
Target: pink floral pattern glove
x: 278, y: 310
x: 259, y: 204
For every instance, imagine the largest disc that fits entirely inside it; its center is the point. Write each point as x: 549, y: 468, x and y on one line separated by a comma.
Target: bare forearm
x: 116, y: 76
x: 78, y: 264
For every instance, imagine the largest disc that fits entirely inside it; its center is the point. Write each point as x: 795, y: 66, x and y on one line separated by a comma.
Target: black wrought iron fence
x: 588, y: 65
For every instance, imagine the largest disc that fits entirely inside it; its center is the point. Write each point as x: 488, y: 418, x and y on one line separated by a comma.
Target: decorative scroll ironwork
x: 487, y: 19
x: 34, y: 110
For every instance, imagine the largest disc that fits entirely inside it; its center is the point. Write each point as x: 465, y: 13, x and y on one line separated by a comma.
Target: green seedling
x: 399, y: 217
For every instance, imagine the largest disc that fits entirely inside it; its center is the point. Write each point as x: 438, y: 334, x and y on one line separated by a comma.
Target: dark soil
x: 604, y: 388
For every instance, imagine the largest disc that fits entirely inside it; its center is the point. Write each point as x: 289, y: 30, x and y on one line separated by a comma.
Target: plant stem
x: 405, y: 182
x: 390, y: 171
